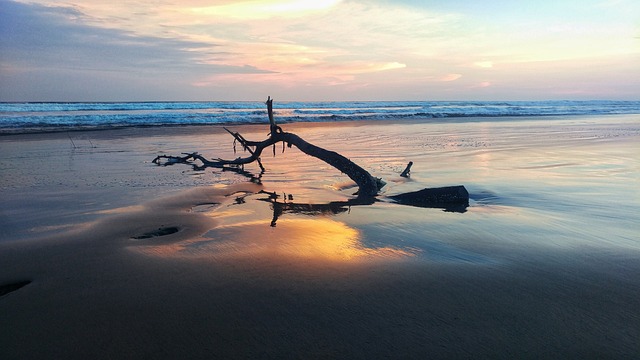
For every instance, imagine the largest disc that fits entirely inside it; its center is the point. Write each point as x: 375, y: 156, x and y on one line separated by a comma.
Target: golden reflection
x: 228, y: 213
x: 312, y: 239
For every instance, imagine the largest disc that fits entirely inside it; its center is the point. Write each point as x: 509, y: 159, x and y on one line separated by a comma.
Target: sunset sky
x: 89, y: 50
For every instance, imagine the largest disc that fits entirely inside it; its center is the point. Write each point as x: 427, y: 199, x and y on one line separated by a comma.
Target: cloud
x: 53, y: 37
x: 450, y: 77
x: 54, y: 53
x: 399, y: 48
x: 483, y: 64
x: 250, y: 10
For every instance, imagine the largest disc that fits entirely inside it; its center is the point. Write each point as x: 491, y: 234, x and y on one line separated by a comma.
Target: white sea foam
x: 37, y: 117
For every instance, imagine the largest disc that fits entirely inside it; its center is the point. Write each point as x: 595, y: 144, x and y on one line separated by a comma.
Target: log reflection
x: 287, y: 205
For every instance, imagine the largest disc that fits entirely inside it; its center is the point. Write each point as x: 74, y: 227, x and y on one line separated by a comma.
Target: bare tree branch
x: 368, y: 186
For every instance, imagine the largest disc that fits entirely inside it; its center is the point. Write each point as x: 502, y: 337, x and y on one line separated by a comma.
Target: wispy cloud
x: 251, y: 10
x: 199, y: 47
x: 54, y: 37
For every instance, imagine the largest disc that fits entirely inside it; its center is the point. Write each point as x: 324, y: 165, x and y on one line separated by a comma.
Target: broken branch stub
x: 407, y: 171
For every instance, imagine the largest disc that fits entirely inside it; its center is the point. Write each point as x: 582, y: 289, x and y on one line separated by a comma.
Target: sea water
x: 39, y: 117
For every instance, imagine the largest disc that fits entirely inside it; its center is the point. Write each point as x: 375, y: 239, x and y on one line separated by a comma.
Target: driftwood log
x: 453, y: 197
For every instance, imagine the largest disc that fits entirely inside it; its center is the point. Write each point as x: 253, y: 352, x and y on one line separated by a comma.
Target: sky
x: 319, y: 50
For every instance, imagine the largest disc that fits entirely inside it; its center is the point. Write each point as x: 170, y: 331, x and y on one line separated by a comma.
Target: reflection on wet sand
x: 316, y: 238
x: 439, y: 198
x: 243, y: 231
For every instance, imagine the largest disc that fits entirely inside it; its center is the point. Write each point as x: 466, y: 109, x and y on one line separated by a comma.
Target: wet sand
x: 105, y: 255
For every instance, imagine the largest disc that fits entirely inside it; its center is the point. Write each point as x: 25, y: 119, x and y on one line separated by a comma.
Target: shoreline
x: 191, y: 128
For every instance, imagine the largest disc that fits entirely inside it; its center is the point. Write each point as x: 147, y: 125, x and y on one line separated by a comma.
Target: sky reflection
x: 315, y: 238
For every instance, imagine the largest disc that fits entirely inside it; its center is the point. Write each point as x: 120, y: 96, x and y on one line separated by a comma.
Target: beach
x: 105, y: 254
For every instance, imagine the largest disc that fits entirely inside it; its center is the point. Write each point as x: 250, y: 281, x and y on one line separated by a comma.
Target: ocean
x: 56, y: 116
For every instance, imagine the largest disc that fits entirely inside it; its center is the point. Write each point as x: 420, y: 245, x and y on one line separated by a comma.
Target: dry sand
x: 105, y: 256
